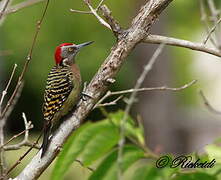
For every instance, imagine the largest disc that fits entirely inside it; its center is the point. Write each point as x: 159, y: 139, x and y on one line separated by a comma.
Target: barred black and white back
x: 58, y: 87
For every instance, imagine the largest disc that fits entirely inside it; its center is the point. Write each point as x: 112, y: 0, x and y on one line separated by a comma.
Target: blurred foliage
x: 95, y: 145
x: 95, y: 140
x: 60, y: 25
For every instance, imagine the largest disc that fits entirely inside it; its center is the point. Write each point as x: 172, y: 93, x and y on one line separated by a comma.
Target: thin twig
x: 94, y: 12
x: 25, y: 141
x: 216, y: 20
x: 89, y: 168
x: 205, y: 22
x: 115, y: 26
x: 28, y: 59
x: 157, y: 39
x: 161, y: 88
x: 213, y: 10
x: 87, y: 12
x: 2, y: 157
x: 7, y: 86
x: 100, y: 4
x: 212, y: 30
x: 114, y: 102
x: 19, y: 145
x: 138, y: 84
x: 21, y: 5
x: 207, y: 104
x: 23, y: 156
x: 2, y: 124
x: 79, y: 11
x: 13, y: 103
x: 28, y: 126
x: 15, y: 136
x: 103, y: 22
x: 4, y: 8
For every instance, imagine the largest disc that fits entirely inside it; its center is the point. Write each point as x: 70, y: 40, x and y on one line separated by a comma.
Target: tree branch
x: 115, y: 26
x: 204, y: 19
x: 157, y: 39
x: 161, y: 88
x: 94, y: 12
x: 22, y: 5
x: 4, y: 8
x: 212, y: 30
x: 25, y: 141
x: 215, y: 20
x: 2, y: 124
x: 139, y: 29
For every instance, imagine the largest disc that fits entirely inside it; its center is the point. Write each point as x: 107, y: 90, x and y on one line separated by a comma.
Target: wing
x: 58, y: 87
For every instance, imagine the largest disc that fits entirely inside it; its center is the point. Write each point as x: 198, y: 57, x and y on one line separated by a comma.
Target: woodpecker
x: 63, y: 88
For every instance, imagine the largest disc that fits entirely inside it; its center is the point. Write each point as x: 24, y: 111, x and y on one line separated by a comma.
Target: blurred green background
x: 175, y: 67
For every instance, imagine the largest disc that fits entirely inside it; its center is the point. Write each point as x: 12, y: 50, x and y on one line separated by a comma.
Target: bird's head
x: 65, y: 53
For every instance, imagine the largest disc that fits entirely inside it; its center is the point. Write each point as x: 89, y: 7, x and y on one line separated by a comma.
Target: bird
x: 63, y: 88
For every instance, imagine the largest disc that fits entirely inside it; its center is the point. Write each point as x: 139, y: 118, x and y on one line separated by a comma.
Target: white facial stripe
x: 65, y: 61
x: 63, y: 47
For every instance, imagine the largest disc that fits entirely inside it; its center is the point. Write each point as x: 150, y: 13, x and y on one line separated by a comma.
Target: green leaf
x: 130, y: 128
x: 195, y: 176
x: 91, y: 141
x: 68, y: 154
x: 103, y: 140
x: 149, y: 171
x: 107, y: 170
x: 214, y: 152
x: 146, y: 172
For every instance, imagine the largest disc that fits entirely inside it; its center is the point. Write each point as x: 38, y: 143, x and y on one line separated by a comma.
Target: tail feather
x: 47, y: 131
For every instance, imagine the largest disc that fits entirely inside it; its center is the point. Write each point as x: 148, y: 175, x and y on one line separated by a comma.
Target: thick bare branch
x: 115, y: 26
x: 157, y: 39
x: 139, y: 29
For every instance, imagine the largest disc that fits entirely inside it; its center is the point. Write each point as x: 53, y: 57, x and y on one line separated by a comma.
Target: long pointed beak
x: 79, y: 46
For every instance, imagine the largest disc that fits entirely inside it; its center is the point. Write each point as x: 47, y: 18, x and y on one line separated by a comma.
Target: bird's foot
x: 84, y: 96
